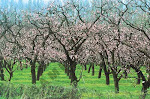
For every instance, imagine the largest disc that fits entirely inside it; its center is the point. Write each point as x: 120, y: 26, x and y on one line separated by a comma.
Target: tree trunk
x: 144, y: 90
x: 106, y: 74
x: 107, y: 78
x: 10, y: 75
x: 116, y: 86
x: 116, y: 82
x: 138, y: 79
x: 39, y: 73
x: 145, y: 83
x: 33, y: 73
x: 2, y: 74
x: 126, y: 74
x: 21, y: 68
x: 85, y: 67
x: 89, y: 68
x: 40, y: 70
x: 100, y: 72
x: 103, y: 64
x: 92, y: 69
x: 72, y: 74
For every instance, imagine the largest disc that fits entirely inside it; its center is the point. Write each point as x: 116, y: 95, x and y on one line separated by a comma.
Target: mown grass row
x: 89, y: 87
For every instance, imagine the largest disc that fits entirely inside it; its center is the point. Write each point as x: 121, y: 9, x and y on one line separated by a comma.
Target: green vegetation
x: 89, y: 87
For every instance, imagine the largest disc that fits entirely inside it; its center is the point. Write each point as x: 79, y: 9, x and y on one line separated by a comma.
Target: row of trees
x: 111, y: 34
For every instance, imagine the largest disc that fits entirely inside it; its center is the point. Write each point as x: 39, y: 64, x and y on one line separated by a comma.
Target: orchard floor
x: 93, y: 87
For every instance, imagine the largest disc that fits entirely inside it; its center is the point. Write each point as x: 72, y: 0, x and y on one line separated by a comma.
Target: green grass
x: 89, y: 87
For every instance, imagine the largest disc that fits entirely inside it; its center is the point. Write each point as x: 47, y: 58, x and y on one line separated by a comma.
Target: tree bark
x: 21, y: 68
x: 92, y: 69
x: 89, y: 68
x: 33, y: 73
x: 144, y: 89
x: 72, y: 74
x: 39, y: 73
x: 107, y: 78
x: 105, y: 69
x: 106, y: 74
x: 100, y: 72
x: 2, y: 74
x: 40, y: 70
x: 116, y: 82
x: 10, y: 75
x: 145, y: 83
x: 85, y: 67
x: 126, y: 74
x: 10, y: 71
x: 138, y: 79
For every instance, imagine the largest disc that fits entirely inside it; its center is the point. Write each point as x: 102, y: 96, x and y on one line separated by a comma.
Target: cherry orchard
x: 102, y: 34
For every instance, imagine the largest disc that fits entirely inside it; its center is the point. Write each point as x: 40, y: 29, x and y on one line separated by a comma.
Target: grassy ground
x: 89, y: 87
